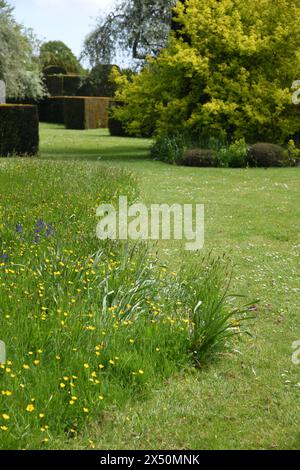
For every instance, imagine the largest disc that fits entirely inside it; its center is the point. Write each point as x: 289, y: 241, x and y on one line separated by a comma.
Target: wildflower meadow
x: 88, y: 324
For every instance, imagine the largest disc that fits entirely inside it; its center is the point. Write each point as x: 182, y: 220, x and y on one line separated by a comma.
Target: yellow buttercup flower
x: 30, y: 408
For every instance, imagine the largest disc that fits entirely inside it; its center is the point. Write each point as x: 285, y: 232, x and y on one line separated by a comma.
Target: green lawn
x: 249, y: 398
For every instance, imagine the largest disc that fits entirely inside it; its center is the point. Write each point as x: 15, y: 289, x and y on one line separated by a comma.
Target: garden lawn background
x: 251, y: 397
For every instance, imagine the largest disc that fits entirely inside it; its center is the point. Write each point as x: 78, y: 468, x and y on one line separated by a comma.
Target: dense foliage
x: 19, y: 66
x: 58, y: 54
x: 228, y: 73
x: 98, y: 82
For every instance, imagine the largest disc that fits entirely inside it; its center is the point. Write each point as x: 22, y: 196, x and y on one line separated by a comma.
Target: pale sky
x: 66, y: 20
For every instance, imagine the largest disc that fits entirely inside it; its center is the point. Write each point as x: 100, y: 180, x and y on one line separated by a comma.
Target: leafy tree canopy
x: 19, y: 66
x: 58, y: 54
x: 232, y: 76
x: 136, y: 27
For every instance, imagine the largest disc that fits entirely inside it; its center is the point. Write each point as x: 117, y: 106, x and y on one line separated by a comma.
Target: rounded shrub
x: 266, y: 155
x: 199, y: 158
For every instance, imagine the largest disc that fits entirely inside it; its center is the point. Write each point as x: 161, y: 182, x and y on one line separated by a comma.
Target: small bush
x: 266, y: 155
x: 19, y: 130
x: 292, y: 154
x: 234, y: 156
x: 199, y: 158
x: 169, y: 149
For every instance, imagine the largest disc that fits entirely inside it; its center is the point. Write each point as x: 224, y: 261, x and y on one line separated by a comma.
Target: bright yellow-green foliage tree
x: 230, y: 72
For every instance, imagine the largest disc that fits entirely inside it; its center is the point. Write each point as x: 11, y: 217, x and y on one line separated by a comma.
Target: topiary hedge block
x: 54, y: 84
x: 71, y: 84
x: 86, y: 112
x: 19, y: 130
x: 51, y: 110
x: 63, y: 85
x: 75, y: 112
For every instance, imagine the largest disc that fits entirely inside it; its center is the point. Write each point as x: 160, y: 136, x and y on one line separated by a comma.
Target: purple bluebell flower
x: 49, y: 231
x: 40, y: 226
x: 19, y: 228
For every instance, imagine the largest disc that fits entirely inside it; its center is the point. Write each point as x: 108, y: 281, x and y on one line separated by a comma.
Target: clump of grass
x: 88, y: 326
x: 213, y: 316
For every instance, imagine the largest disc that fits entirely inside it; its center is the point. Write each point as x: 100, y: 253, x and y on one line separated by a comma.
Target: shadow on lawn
x: 89, y: 145
x: 100, y: 154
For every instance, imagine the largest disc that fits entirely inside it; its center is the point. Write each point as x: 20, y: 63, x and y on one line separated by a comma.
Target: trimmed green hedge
x: 76, y: 112
x: 19, y: 130
x: 51, y: 110
x: 63, y: 85
x: 86, y: 112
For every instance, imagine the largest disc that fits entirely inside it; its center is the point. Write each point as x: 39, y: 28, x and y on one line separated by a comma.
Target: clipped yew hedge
x: 19, y: 130
x: 63, y: 85
x: 76, y: 112
x: 86, y: 112
x: 51, y: 110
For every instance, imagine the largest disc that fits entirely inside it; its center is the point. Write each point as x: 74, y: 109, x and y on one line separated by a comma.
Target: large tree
x: 58, y: 54
x: 136, y: 27
x: 232, y: 76
x: 19, y: 66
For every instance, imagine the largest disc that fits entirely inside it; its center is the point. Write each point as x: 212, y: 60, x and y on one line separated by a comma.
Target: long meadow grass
x: 89, y: 324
